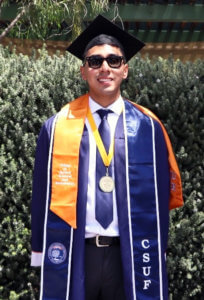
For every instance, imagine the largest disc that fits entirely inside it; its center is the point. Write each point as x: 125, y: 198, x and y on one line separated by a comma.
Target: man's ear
x: 82, y: 73
x: 125, y: 71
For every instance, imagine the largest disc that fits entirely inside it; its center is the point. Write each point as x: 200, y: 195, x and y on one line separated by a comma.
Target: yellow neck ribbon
x: 106, y: 157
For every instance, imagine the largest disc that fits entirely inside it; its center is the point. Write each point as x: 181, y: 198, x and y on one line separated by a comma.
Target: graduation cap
x: 101, y: 25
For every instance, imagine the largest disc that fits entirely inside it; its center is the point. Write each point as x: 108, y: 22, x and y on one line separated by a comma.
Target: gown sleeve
x: 39, y: 191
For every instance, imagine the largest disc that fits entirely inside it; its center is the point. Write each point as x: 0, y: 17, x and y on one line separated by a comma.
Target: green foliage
x: 33, y: 89
x: 51, y: 19
x: 186, y: 253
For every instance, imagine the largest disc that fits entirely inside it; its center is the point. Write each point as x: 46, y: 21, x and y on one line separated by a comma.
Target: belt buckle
x: 98, y: 243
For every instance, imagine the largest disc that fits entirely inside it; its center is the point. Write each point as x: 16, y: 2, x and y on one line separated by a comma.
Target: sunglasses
x: 96, y: 61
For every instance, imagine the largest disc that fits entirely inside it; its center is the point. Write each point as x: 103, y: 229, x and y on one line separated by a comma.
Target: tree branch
x: 12, y: 24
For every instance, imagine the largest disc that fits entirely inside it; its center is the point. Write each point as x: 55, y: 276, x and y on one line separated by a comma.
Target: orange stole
x: 65, y: 159
x: 176, y: 196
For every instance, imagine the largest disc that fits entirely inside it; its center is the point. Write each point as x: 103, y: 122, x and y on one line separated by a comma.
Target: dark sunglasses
x: 95, y: 61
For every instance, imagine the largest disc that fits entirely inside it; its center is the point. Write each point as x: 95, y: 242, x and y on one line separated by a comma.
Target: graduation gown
x: 146, y: 187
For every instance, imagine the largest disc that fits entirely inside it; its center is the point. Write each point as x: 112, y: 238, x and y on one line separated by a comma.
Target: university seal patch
x: 57, y: 253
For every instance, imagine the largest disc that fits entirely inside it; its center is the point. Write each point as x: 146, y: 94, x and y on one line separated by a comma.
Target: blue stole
x: 142, y: 193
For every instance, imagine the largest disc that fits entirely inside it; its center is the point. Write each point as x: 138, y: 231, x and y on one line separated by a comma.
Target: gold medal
x: 106, y: 184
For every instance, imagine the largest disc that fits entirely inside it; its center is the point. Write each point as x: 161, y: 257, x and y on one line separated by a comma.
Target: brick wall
x: 184, y: 51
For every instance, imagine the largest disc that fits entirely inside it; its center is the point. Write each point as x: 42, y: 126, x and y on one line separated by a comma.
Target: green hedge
x: 31, y: 90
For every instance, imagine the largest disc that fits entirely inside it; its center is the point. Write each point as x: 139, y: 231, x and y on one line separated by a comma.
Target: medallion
x: 106, y: 184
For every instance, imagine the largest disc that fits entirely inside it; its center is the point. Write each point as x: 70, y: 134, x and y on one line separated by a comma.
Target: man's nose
x: 105, y: 66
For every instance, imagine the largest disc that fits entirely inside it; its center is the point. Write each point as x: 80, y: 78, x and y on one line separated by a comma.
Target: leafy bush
x: 34, y: 88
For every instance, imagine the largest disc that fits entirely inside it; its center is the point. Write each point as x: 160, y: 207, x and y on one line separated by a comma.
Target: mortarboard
x: 101, y: 25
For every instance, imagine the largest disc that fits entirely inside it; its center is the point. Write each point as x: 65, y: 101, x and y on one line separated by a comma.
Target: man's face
x: 104, y: 82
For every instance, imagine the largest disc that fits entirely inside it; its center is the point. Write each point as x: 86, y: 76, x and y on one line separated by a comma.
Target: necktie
x: 104, y: 200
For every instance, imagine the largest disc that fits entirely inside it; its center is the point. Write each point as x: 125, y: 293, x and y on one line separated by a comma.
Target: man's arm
x: 39, y: 191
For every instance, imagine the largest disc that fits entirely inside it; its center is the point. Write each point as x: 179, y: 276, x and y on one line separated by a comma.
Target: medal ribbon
x: 105, y: 157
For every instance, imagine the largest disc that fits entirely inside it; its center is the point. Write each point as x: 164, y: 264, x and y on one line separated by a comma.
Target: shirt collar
x: 116, y: 106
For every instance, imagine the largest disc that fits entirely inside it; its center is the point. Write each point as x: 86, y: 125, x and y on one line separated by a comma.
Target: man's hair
x: 103, y: 39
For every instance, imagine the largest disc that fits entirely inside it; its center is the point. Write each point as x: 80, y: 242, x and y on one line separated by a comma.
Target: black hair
x: 103, y: 39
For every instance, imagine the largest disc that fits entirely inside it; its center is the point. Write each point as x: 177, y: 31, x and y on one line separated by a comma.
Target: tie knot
x: 103, y: 113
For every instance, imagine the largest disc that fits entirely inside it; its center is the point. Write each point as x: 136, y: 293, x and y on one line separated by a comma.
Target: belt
x: 103, y: 241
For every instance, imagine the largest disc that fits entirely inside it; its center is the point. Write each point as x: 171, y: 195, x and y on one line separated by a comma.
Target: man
x: 101, y: 190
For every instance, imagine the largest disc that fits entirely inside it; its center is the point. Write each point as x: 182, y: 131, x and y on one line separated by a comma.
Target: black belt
x: 103, y: 241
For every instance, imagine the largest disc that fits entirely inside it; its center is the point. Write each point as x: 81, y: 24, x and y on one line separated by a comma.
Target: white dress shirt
x: 92, y: 226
